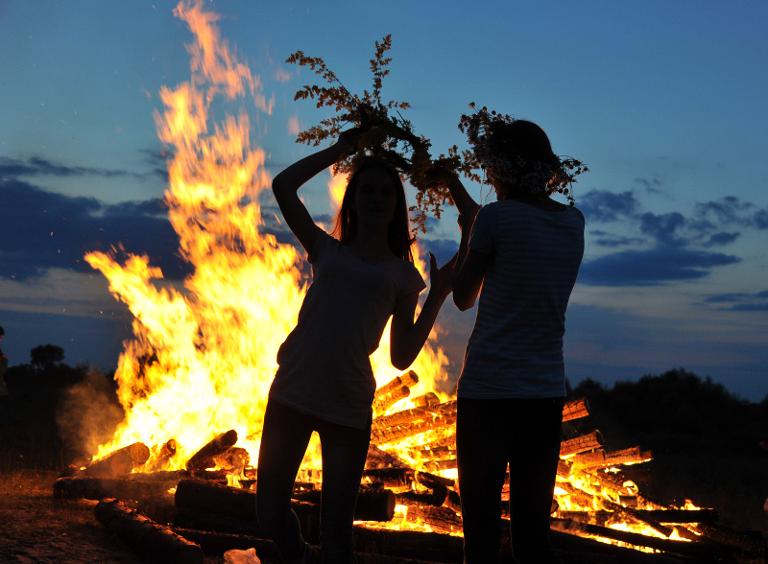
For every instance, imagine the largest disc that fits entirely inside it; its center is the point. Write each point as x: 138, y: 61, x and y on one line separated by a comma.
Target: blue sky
x: 664, y: 101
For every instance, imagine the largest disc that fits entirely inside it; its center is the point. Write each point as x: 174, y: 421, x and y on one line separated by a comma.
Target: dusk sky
x: 665, y: 102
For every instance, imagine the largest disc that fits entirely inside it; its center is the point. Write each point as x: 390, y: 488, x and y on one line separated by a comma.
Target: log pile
x: 408, y: 492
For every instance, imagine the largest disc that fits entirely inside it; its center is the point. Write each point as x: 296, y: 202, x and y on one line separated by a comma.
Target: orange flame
x: 204, y: 355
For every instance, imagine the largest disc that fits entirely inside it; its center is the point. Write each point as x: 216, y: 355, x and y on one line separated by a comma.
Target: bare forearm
x: 461, y: 198
x: 417, y: 335
x: 302, y: 170
x: 461, y: 254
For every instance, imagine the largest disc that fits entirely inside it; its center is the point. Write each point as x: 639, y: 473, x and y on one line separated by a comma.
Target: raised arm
x: 286, y: 185
x: 406, y: 336
x: 466, y: 205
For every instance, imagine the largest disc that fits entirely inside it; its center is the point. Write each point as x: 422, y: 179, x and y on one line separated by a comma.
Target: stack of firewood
x: 406, y: 496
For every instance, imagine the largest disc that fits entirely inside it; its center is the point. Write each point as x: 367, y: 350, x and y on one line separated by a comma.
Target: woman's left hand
x: 441, y: 279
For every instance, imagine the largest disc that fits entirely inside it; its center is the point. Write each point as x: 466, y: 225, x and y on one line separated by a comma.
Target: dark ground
x: 38, y: 528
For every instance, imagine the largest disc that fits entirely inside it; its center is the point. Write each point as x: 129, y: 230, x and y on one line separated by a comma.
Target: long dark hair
x: 525, y: 144
x: 398, y: 233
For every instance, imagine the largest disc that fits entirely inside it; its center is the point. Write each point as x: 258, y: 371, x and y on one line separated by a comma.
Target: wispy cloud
x: 651, y: 267
x: 602, y: 206
x: 740, y: 301
x: 38, y: 166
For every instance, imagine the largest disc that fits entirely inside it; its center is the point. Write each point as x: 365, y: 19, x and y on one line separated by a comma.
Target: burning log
x: 203, y: 458
x: 602, y: 459
x: 156, y: 541
x: 439, y: 519
x: 426, y: 400
x: 381, y: 434
x: 703, y: 552
x: 581, y: 443
x: 671, y: 516
x: 390, y: 477
x: 378, y: 458
x: 79, y: 487
x: 435, y: 496
x: 440, y: 464
x: 393, y: 391
x: 432, y: 481
x: 436, y: 452
x: 390, y: 428
x: 165, y: 452
x: 233, y: 460
x: 575, y: 409
x: 382, y: 403
x: 121, y: 461
x: 415, y: 414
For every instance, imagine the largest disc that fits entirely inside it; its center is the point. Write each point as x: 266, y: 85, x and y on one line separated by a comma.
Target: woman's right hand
x: 441, y: 278
x: 351, y: 140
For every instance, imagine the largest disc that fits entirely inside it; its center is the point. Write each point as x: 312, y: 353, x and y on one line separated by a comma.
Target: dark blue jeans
x: 521, y: 433
x: 283, y: 442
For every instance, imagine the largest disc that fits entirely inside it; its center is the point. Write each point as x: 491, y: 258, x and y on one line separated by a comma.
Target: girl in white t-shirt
x: 521, y: 256
x: 324, y: 382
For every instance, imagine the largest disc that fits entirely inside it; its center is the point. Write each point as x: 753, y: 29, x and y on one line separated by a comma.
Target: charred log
x: 155, y: 541
x: 664, y: 516
x: 223, y: 500
x: 78, y: 487
x: 372, y: 505
x: 217, y: 543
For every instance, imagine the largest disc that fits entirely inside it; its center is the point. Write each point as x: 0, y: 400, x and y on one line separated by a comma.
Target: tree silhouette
x: 43, y: 357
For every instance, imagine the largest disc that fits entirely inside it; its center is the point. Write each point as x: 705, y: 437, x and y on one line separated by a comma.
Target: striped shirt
x: 516, y: 346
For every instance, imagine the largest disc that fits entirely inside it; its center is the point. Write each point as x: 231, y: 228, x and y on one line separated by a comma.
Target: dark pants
x: 524, y: 433
x: 283, y: 442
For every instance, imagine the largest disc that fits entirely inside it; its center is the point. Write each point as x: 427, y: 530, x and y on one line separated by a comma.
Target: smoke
x: 87, y: 414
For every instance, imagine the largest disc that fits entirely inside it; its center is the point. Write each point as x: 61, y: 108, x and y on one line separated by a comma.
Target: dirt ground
x: 38, y: 528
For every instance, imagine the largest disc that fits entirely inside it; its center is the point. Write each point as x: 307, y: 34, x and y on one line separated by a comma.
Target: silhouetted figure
x: 521, y: 256
x: 325, y: 382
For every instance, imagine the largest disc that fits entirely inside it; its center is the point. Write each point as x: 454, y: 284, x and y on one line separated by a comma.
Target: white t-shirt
x: 324, y: 366
x: 516, y: 346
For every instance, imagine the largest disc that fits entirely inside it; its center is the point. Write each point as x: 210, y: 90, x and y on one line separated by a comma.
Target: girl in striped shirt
x: 520, y: 255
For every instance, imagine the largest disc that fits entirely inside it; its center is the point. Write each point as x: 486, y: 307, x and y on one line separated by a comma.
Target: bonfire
x: 193, y: 380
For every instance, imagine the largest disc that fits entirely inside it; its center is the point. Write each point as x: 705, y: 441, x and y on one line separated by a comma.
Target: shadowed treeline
x: 54, y: 413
